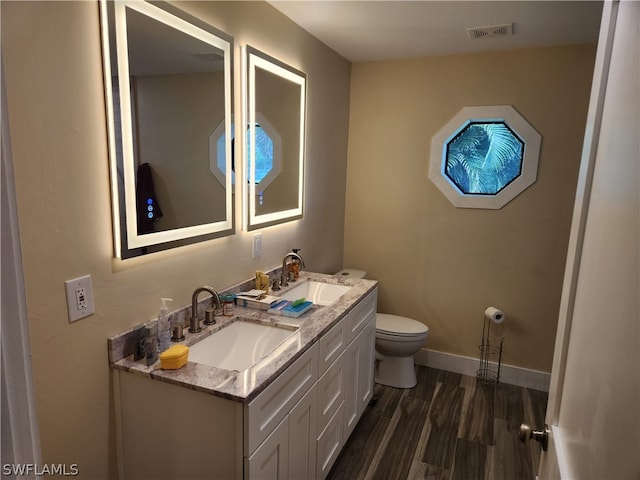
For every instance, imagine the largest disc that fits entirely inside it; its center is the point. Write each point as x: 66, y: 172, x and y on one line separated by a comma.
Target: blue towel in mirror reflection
x: 147, y: 205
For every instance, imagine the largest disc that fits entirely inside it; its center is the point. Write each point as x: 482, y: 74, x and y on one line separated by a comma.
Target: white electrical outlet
x: 79, y: 298
x: 257, y: 245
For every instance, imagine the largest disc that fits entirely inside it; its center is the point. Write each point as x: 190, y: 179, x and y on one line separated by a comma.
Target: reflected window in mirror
x: 275, y: 107
x: 268, y: 153
x: 263, y: 153
x: 168, y: 88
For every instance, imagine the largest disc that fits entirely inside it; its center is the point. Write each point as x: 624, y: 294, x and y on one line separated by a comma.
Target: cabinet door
x: 359, y: 389
x: 366, y: 359
x: 302, y: 436
x: 271, y: 459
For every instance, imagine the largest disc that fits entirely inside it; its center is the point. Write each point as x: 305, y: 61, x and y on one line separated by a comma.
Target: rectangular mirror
x: 274, y: 98
x: 169, y: 97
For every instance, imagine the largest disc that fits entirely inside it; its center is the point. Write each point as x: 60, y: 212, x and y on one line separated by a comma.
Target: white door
x: 594, y: 400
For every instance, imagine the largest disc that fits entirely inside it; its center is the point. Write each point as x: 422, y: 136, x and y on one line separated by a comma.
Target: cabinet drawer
x: 331, y: 345
x: 330, y: 443
x: 269, y: 408
x: 331, y: 387
x: 358, y: 317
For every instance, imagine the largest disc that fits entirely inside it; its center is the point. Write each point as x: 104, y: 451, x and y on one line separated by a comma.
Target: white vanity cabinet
x: 346, y: 386
x: 320, y: 423
x: 294, y: 429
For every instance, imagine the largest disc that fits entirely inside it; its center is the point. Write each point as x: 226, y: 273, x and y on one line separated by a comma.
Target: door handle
x: 526, y: 433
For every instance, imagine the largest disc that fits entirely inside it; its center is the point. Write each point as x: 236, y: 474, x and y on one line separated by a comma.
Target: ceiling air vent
x: 505, y: 30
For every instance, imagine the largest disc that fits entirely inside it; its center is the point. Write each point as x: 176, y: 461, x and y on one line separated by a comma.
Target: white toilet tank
x: 350, y: 273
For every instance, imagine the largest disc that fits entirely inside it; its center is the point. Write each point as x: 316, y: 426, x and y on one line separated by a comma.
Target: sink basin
x: 317, y: 292
x: 240, y: 344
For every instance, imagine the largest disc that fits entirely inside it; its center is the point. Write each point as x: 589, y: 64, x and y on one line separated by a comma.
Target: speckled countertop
x: 244, y: 386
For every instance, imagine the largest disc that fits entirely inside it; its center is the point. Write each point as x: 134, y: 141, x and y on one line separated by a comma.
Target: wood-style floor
x: 448, y: 427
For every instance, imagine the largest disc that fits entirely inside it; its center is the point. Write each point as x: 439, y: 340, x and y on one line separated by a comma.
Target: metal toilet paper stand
x: 489, y: 370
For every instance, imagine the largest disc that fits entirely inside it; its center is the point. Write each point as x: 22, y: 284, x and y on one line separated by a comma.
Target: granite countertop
x: 244, y: 386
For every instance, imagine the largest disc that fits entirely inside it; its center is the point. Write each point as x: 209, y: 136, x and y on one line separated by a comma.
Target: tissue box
x: 174, y: 357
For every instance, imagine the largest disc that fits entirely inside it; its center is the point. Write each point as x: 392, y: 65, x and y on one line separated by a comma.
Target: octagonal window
x: 268, y: 152
x: 484, y: 157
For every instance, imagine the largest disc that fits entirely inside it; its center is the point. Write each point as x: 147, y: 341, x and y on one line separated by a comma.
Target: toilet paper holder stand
x: 490, y: 356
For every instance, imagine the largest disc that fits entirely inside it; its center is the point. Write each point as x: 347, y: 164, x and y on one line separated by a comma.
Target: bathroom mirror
x: 274, y: 98
x: 168, y: 89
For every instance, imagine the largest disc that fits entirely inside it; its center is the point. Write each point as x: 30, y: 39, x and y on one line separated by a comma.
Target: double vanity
x: 262, y: 396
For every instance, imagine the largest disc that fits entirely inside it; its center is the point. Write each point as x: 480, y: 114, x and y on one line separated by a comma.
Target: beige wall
x: 52, y: 61
x: 443, y: 265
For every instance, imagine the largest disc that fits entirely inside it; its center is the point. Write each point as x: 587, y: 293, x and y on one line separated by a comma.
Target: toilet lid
x: 396, y: 325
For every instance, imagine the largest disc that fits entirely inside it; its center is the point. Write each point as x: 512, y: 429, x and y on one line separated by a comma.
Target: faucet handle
x: 209, y: 317
x: 178, y: 335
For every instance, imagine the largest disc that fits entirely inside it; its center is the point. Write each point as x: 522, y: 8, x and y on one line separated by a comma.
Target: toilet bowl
x: 397, y: 340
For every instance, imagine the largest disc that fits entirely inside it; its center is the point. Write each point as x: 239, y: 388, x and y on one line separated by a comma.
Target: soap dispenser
x: 295, y: 264
x: 164, y: 328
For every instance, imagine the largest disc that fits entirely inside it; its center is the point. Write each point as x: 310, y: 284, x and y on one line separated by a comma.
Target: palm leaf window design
x: 484, y: 157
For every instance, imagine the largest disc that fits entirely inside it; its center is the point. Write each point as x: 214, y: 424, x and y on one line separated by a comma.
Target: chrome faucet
x: 284, y: 280
x: 194, y: 321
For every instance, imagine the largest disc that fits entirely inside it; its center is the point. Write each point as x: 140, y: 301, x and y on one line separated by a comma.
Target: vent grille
x: 505, y: 30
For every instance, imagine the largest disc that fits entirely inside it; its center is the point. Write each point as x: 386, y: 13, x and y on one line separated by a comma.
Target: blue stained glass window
x: 484, y: 157
x: 264, y: 153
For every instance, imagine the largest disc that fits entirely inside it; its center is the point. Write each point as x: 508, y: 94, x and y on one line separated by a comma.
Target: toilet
x: 397, y: 340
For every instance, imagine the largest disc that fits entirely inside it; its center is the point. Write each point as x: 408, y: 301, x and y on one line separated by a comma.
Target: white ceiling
x: 364, y: 30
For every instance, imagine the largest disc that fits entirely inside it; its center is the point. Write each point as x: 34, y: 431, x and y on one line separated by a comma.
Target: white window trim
x: 276, y: 139
x: 500, y: 113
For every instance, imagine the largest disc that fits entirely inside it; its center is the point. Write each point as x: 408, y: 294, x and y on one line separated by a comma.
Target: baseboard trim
x: 522, y: 377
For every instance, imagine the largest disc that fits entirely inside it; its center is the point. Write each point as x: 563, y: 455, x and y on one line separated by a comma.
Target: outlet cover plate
x: 79, y: 298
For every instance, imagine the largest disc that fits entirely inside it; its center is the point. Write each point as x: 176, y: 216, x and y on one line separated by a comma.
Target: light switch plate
x: 257, y: 245
x: 79, y: 298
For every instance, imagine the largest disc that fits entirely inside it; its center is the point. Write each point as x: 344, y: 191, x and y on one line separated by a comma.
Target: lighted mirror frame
x: 253, y: 59
x: 485, y: 114
x: 123, y: 190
